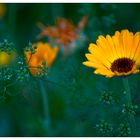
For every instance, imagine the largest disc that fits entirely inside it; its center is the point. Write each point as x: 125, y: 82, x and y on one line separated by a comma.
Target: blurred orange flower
x: 64, y: 31
x: 43, y: 53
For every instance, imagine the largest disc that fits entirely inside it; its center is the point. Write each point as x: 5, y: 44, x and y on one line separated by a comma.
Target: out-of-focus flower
x: 44, y: 55
x: 7, y: 58
x: 115, y: 56
x: 2, y: 10
x: 64, y: 32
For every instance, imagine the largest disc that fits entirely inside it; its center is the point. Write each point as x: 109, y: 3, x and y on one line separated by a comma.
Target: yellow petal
x: 99, y: 57
x: 119, y: 49
x: 93, y: 65
x: 127, y: 39
x: 111, y: 46
x: 104, y: 48
x: 91, y: 47
x: 104, y: 72
x: 136, y: 41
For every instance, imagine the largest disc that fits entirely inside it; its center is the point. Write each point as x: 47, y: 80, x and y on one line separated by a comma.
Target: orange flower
x: 64, y: 31
x: 43, y: 53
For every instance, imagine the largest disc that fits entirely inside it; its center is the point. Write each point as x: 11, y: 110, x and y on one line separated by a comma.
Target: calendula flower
x: 2, y: 9
x: 118, y: 55
x: 7, y: 58
x: 43, y: 56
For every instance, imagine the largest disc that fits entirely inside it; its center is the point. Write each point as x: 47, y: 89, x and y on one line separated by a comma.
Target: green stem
x: 127, y: 89
x: 129, y: 99
x: 46, y: 113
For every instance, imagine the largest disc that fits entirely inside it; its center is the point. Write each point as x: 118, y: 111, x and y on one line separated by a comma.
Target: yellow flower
x: 2, y: 9
x: 118, y: 55
x: 6, y: 59
x: 43, y: 53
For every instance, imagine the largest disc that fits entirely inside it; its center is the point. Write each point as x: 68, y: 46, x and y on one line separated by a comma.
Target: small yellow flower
x: 2, y: 9
x: 43, y: 53
x: 118, y: 55
x: 6, y: 59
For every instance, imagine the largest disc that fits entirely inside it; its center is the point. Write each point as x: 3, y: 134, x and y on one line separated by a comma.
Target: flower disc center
x: 122, y: 65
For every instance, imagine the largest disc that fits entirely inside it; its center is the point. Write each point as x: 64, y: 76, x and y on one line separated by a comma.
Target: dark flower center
x: 122, y: 65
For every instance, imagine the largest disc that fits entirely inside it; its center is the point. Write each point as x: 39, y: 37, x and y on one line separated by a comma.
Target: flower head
x: 65, y: 34
x: 115, y: 56
x: 44, y: 55
x: 64, y: 31
x: 6, y: 58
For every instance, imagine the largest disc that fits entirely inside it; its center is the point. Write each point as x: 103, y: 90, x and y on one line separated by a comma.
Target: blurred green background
x: 75, y: 103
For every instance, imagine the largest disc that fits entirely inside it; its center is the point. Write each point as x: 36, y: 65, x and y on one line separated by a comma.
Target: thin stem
x: 44, y: 97
x: 129, y: 99
x: 29, y: 59
x: 127, y: 89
